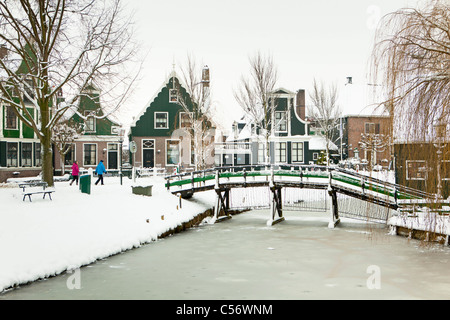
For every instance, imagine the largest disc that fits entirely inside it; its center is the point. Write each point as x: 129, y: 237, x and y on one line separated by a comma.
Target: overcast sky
x: 323, y: 39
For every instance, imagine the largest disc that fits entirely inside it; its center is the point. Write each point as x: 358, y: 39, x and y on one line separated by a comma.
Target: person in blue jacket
x: 100, y: 170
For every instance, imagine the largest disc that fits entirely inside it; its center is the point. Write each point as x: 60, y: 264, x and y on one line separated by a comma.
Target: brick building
x: 359, y: 131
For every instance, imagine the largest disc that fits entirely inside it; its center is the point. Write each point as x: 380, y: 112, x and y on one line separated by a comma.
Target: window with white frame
x: 297, y: 151
x: 90, y: 154
x: 12, y: 149
x: 280, y: 152
x: 280, y: 121
x: 416, y: 169
x: 185, y: 119
x: 372, y: 128
x: 173, y: 95
x: 161, y: 120
x: 172, y: 152
x: 10, y: 118
x: 37, y: 154
x: 261, y: 152
x: 69, y: 157
x: 90, y: 121
x: 27, y: 154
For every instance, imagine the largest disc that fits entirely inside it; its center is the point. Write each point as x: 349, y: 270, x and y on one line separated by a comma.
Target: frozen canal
x: 242, y: 258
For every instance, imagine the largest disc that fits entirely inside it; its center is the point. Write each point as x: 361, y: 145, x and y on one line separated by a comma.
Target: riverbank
x: 44, y: 238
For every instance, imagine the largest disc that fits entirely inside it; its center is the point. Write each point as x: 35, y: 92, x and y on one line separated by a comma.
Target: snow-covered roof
x: 173, y: 74
x: 361, y: 100
x: 319, y: 143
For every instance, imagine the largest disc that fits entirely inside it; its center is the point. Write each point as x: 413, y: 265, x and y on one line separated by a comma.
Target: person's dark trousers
x: 100, y: 179
x: 75, y: 178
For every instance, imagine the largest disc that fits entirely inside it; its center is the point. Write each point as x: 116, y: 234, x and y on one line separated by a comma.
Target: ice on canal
x: 243, y: 258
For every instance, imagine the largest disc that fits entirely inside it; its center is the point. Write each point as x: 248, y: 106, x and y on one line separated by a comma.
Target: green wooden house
x: 159, y: 129
x: 101, y: 138
x: 290, y: 142
x: 20, y: 148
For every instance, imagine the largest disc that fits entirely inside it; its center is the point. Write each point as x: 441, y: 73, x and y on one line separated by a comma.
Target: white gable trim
x: 147, y: 105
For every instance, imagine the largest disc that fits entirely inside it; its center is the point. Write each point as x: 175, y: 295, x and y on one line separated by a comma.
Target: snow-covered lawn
x: 46, y: 237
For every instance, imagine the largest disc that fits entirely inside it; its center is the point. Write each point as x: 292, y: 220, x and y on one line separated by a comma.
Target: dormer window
x: 90, y: 121
x: 173, y: 95
x: 280, y: 121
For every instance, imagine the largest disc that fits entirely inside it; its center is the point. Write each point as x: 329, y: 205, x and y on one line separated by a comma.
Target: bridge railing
x: 296, y: 173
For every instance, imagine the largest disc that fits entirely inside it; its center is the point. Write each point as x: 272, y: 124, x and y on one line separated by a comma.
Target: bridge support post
x: 222, y: 205
x: 276, y: 210
x: 334, y: 212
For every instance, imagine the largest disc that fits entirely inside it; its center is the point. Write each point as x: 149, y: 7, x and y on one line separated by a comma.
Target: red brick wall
x: 356, y: 126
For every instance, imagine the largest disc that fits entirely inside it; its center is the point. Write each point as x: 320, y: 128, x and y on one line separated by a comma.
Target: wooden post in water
x: 334, y: 212
x: 276, y: 204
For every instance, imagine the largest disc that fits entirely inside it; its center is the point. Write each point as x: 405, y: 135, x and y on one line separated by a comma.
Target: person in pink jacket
x: 75, y: 171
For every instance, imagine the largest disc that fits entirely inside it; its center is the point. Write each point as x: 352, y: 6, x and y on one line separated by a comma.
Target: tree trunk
x: 47, y: 160
x: 46, y: 140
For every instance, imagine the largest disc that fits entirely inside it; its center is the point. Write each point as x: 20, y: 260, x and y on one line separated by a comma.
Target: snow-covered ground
x: 46, y: 237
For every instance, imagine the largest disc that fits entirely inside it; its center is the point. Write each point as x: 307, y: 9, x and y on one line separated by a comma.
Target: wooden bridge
x: 286, y: 188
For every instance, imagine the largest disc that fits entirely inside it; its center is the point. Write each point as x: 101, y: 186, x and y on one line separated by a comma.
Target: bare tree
x: 373, y: 143
x: 254, y: 95
x: 325, y: 112
x: 411, y: 59
x: 196, y: 122
x: 65, y: 132
x: 59, y: 44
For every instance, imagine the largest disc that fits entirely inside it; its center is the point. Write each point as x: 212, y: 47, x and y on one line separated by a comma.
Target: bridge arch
x: 337, y: 187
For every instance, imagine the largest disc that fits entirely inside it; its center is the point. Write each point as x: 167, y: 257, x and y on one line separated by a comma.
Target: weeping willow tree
x: 411, y: 59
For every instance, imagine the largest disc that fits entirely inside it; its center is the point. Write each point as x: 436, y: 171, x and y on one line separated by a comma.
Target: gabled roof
x: 283, y: 91
x: 173, y: 74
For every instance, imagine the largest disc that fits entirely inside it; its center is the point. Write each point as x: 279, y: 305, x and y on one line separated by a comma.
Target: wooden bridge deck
x: 332, y: 180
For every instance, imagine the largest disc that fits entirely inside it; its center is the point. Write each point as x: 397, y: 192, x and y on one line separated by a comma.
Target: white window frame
x: 278, y: 156
x: 73, y: 151
x: 96, y: 154
x: 179, y: 151
x: 37, y: 158
x: 181, y: 117
x: 171, y: 95
x: 6, y: 108
x: 292, y: 152
x: 90, y: 117
x: 277, y: 125
x: 8, y: 163
x: 167, y: 119
x: 419, y: 179
x: 261, y: 152
x: 30, y: 159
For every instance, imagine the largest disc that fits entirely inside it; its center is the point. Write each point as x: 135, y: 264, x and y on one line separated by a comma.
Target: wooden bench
x: 35, y: 188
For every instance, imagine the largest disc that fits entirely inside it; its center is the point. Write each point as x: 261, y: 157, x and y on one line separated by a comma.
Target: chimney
x: 3, y: 51
x: 300, y: 107
x: 205, y: 77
